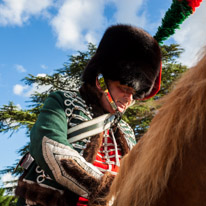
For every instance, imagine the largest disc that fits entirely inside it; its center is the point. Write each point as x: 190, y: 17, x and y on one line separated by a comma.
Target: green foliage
x: 6, y: 200
x: 171, y: 70
x: 139, y: 116
x: 170, y: 53
x: 12, y: 119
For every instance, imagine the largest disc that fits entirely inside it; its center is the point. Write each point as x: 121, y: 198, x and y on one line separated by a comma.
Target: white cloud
x: 81, y: 21
x: 4, y: 182
x: 78, y: 22
x: 129, y: 12
x: 192, y: 35
x: 18, y: 89
x: 27, y: 91
x: 20, y: 68
x: 8, y: 177
x: 36, y: 88
x: 13, y: 12
x: 18, y: 107
x: 43, y: 66
x: 41, y: 75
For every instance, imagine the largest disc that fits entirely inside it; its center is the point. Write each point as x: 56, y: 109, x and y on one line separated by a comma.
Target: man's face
x: 122, y: 96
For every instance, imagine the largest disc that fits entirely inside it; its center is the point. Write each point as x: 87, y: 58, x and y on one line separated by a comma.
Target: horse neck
x: 187, y: 182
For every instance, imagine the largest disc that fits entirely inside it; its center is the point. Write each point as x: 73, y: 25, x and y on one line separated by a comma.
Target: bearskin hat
x: 130, y: 55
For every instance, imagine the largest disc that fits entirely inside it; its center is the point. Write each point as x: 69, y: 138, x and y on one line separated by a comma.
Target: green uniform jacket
x: 60, y: 169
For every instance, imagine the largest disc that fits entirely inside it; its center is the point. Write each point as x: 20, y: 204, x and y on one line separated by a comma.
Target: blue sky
x: 36, y: 37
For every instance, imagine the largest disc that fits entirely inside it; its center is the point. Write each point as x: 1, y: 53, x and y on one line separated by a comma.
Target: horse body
x: 168, y: 165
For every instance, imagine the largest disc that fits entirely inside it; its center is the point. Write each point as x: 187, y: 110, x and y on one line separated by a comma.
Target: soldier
x: 79, y: 137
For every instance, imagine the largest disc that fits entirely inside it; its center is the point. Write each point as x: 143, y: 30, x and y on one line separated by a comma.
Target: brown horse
x: 168, y: 165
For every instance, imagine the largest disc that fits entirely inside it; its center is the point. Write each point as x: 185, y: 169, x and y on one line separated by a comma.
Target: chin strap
x: 107, y: 93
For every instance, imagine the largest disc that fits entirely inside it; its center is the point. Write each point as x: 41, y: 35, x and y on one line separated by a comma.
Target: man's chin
x: 121, y: 109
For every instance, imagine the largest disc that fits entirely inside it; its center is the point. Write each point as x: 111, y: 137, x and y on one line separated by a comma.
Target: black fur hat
x: 130, y: 55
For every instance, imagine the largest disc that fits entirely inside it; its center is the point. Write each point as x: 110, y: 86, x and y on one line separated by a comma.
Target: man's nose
x: 129, y: 96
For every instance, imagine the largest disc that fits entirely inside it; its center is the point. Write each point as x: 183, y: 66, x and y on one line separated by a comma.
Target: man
x: 79, y: 137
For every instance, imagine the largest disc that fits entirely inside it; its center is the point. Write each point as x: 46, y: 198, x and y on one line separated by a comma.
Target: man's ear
x: 98, y: 85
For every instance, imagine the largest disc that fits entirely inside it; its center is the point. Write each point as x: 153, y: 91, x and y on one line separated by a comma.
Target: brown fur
x: 44, y: 196
x: 92, y: 97
x: 74, y: 170
x: 93, y: 147
x: 98, y: 188
x: 122, y: 141
x: 97, y: 197
x: 168, y: 165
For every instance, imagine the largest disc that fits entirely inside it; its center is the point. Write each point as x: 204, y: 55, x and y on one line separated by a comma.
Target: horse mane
x: 145, y: 171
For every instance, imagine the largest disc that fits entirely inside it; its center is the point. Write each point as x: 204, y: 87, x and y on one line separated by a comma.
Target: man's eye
x: 123, y: 89
x: 126, y: 90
